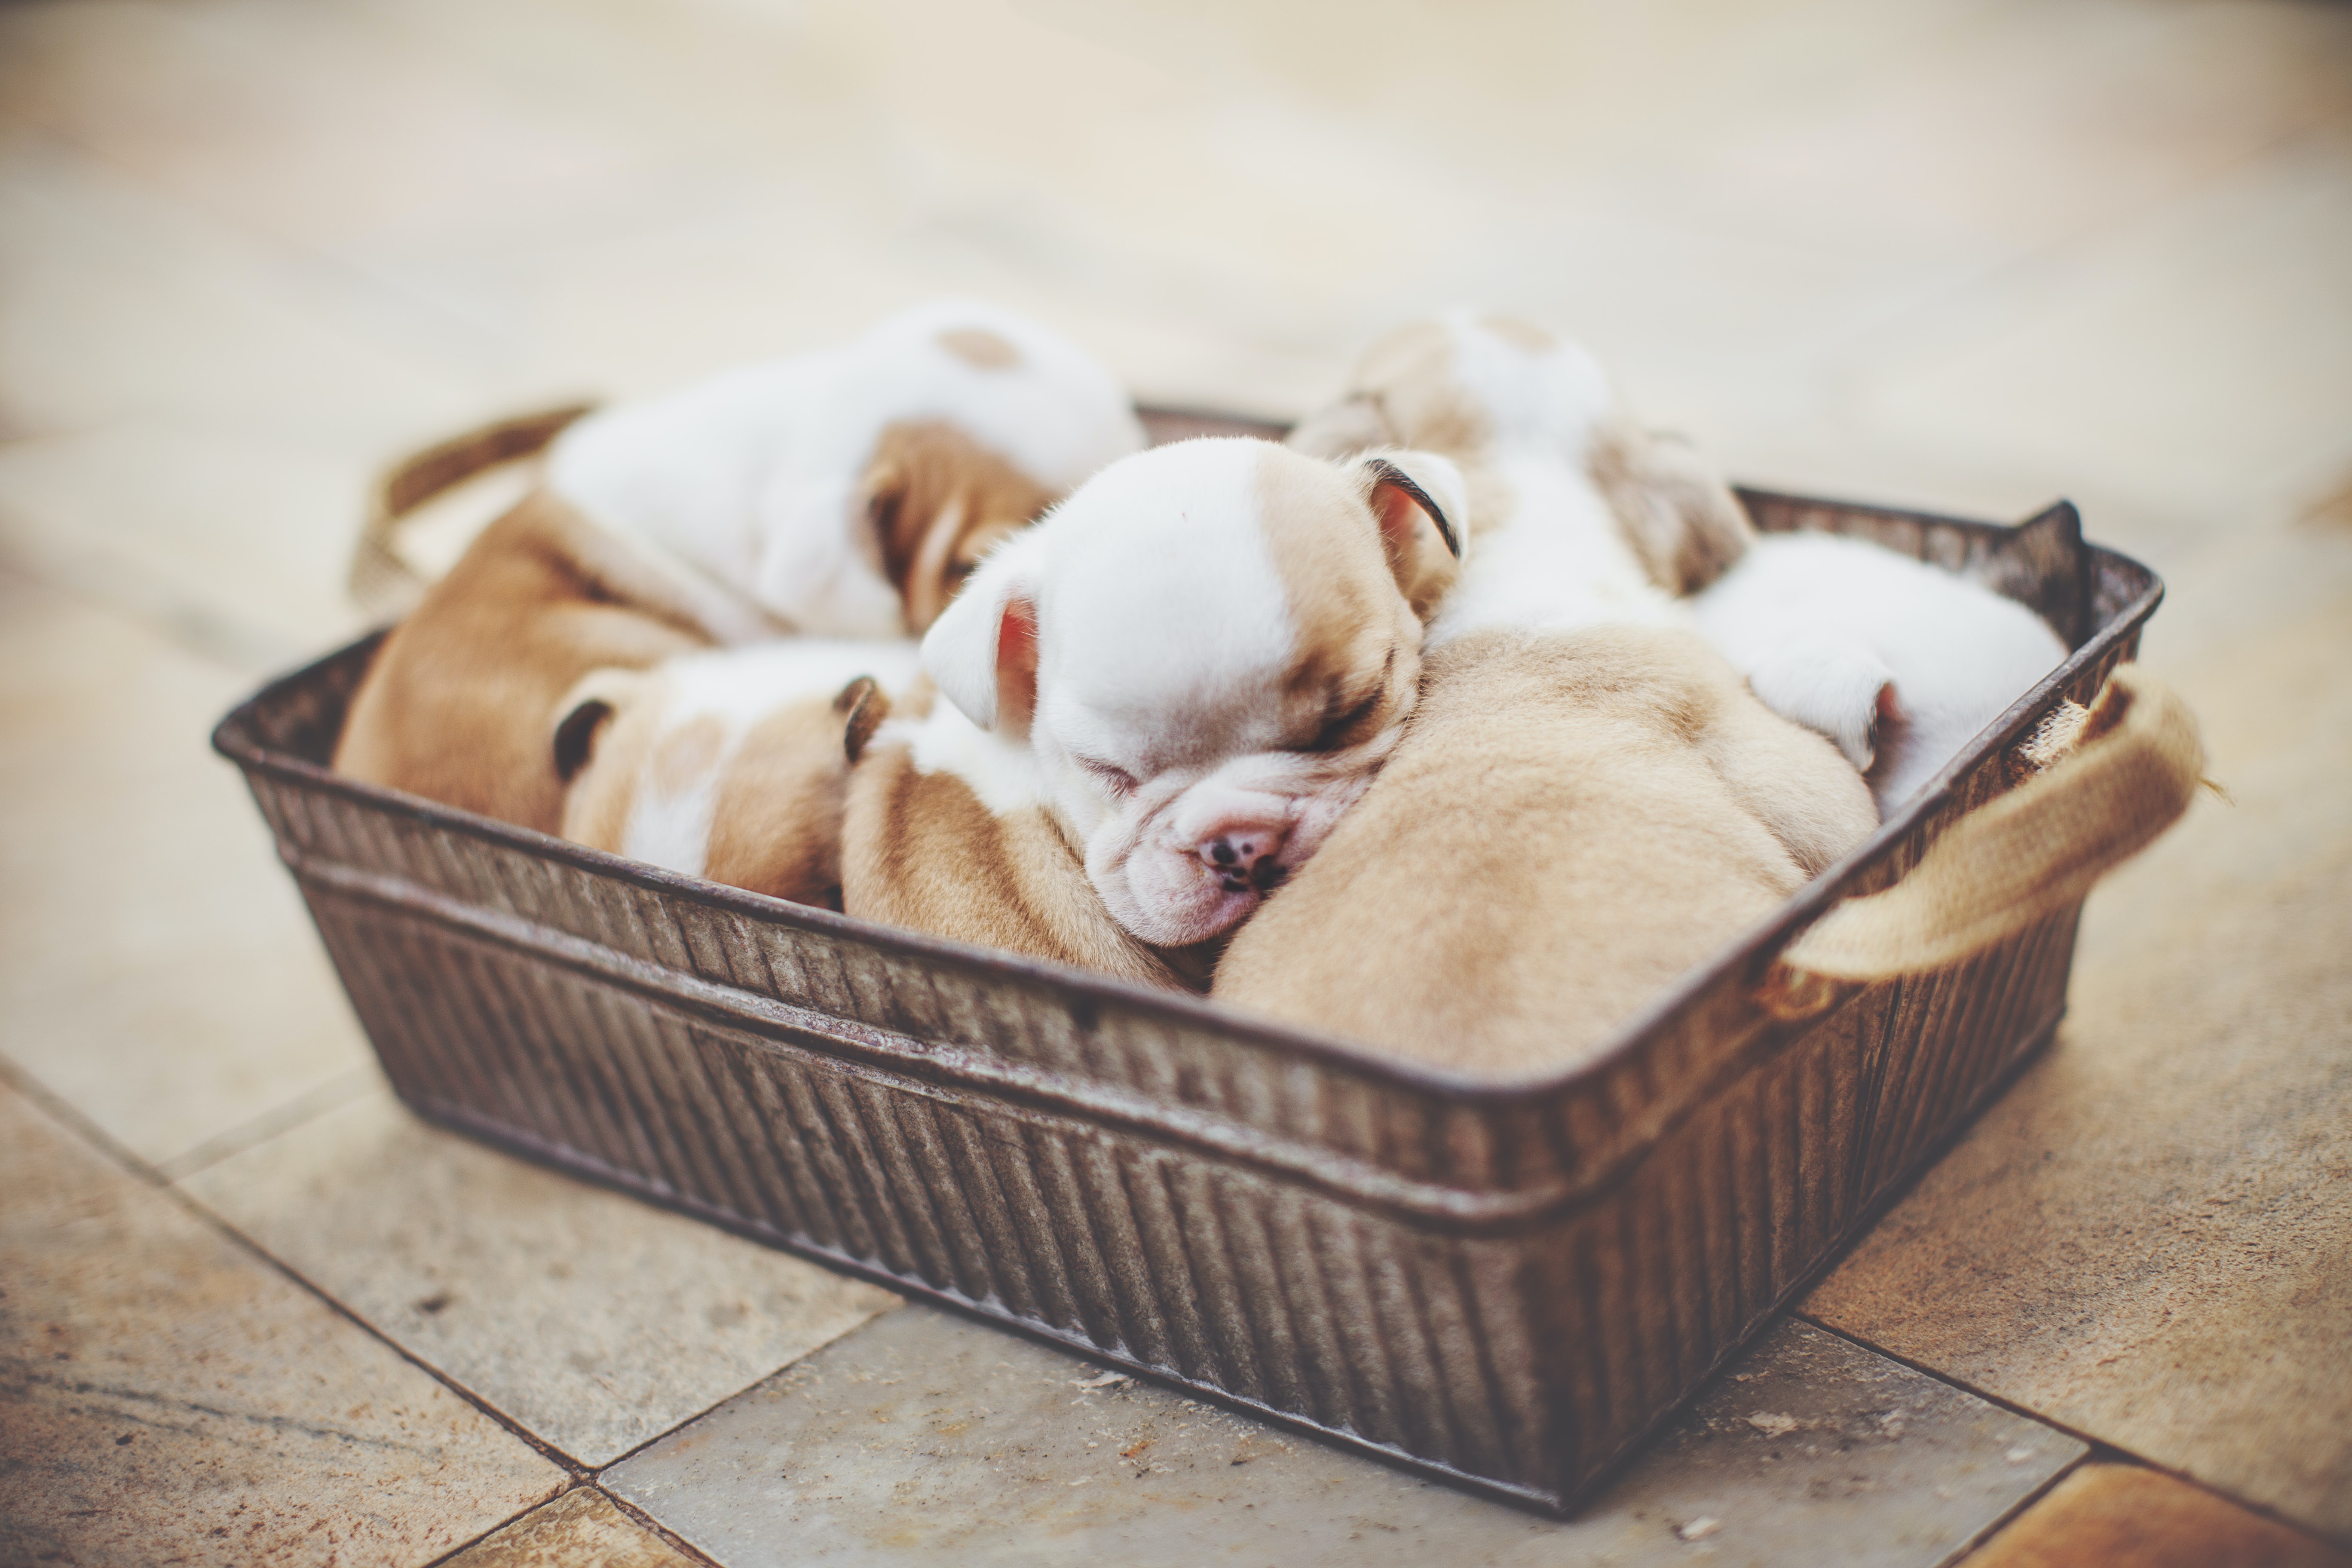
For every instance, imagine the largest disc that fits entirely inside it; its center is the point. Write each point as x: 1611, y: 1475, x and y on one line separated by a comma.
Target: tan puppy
x: 454, y: 706
x: 1588, y: 800
x: 846, y: 492
x: 729, y: 765
x: 1572, y: 820
x: 1155, y: 704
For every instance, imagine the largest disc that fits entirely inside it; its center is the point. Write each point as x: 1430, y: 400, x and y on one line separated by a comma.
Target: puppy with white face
x: 729, y: 765
x: 1192, y: 667
x: 846, y: 492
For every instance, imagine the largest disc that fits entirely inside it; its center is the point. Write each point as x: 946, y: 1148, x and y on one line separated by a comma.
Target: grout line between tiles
x: 1977, y: 1542
x: 601, y: 1471
x: 2104, y: 1449
x: 570, y: 1486
x: 39, y: 1094
x: 312, y: 1103
x: 692, y: 1553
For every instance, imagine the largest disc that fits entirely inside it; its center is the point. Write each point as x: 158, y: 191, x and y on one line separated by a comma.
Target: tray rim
x: 236, y: 738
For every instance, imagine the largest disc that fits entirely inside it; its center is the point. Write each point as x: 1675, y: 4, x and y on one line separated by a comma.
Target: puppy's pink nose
x: 1243, y: 858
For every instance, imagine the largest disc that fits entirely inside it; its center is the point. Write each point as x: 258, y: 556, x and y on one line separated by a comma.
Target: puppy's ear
x: 1422, y: 502
x: 1675, y: 509
x: 593, y: 697
x: 983, y: 650
x: 863, y: 705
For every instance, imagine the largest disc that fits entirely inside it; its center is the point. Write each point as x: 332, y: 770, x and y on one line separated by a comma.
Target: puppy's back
x: 1556, y: 838
x: 452, y: 708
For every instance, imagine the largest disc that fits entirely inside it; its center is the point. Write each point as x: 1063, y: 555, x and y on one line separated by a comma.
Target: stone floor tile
x: 594, y: 1321
x: 2115, y: 1514
x: 164, y: 1396
x: 118, y: 304
x: 578, y: 1528
x: 243, y: 544
x: 2149, y: 1239
x: 157, y: 969
x: 317, y: 125
x: 929, y: 1438
x: 2189, y: 366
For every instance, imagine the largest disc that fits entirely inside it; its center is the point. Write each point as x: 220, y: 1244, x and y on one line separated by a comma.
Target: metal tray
x: 1504, y: 1285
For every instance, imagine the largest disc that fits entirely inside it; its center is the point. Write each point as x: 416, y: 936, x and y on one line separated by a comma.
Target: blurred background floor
x: 1968, y: 257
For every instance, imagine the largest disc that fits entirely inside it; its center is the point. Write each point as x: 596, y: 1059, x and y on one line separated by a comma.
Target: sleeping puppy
x: 1574, y: 819
x: 1172, y: 688
x: 729, y: 764
x: 1899, y: 663
x: 845, y: 492
x: 1588, y: 800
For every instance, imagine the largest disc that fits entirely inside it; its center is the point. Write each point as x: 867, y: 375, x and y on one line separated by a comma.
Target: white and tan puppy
x: 1899, y: 663
x: 1588, y: 800
x: 729, y: 765
x: 1190, y: 670
x: 846, y: 493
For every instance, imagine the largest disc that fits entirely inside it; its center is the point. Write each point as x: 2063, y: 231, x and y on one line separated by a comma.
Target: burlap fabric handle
x: 2130, y: 771
x: 381, y: 581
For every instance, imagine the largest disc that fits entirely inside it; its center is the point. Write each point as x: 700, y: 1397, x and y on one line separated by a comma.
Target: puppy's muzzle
x: 1241, y: 861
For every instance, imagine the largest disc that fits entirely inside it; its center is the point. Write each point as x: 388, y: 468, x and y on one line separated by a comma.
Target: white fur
x: 752, y: 479
x: 1001, y: 772
x: 1559, y: 561
x: 1821, y: 625
x: 1164, y: 639
x: 741, y: 686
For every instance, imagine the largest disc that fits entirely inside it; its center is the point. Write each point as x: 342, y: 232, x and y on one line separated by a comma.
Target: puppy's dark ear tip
x: 865, y: 705
x: 577, y: 735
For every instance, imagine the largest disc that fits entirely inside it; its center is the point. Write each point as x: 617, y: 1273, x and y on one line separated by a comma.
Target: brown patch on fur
x: 686, y: 754
x: 1682, y: 521
x: 457, y: 703
x: 936, y: 501
x: 1343, y: 593
x: 1403, y: 393
x: 775, y: 824
x: 921, y: 851
x: 979, y: 348
x: 1568, y: 825
x: 1522, y: 334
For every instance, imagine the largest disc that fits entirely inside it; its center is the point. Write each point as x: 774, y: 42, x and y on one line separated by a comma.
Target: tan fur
x: 775, y: 824
x: 1346, y: 608
x: 937, y: 500
x: 1682, y: 520
x: 921, y: 851
x: 979, y: 348
x: 776, y: 827
x: 1571, y: 823
x: 455, y: 704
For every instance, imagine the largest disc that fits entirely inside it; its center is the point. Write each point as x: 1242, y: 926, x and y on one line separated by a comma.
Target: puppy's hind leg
x: 1831, y: 686
x: 1789, y: 776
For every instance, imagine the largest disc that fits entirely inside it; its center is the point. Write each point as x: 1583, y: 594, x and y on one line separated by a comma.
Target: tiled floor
x: 1958, y: 254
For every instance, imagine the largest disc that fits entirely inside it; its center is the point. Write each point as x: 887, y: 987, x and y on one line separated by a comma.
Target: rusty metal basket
x: 1504, y: 1286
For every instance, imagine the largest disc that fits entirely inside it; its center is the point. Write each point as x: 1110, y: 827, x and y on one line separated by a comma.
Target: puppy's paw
x: 1838, y: 689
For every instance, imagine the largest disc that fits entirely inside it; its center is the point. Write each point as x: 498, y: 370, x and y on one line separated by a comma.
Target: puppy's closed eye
x: 1347, y: 724
x: 1117, y: 780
